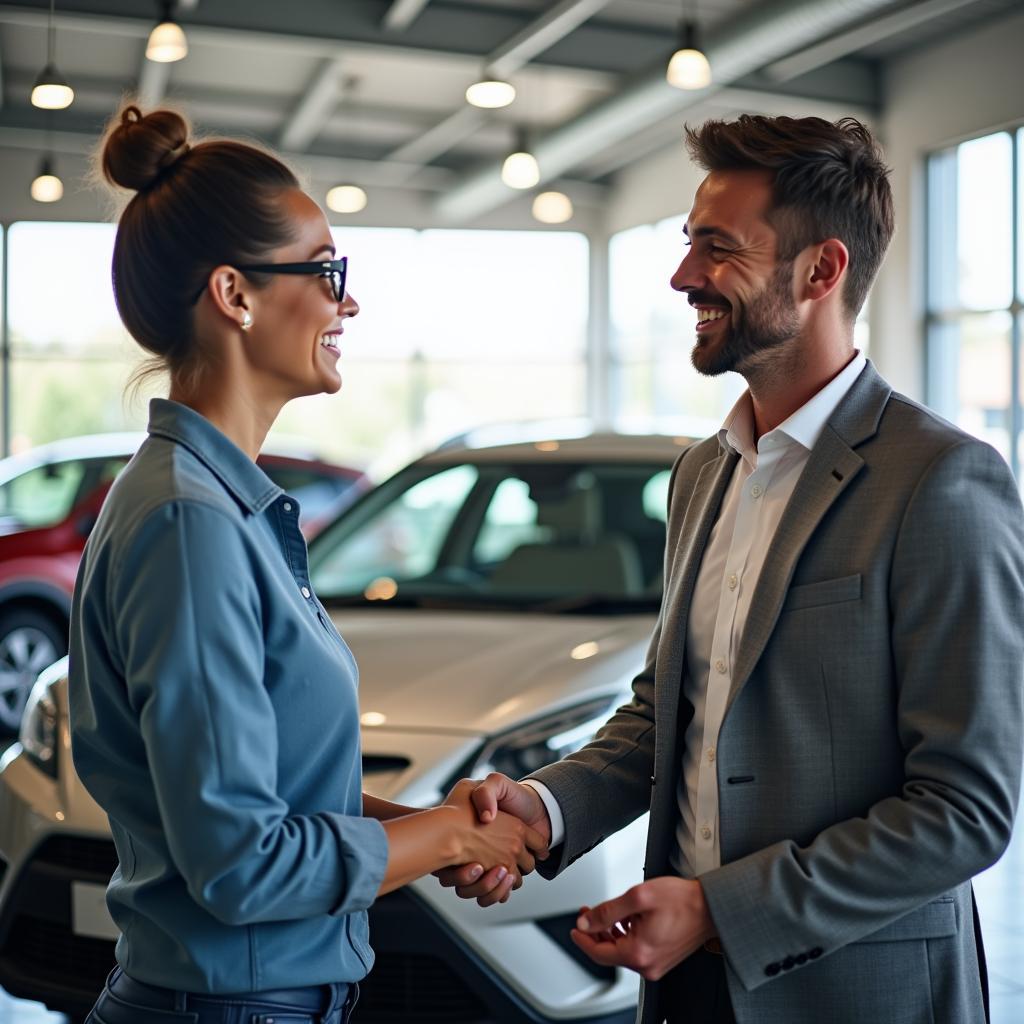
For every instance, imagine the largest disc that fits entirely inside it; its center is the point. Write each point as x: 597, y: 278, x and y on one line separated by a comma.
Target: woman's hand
x: 504, y: 842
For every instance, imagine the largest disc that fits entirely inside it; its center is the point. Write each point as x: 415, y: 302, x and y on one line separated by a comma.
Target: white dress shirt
x: 761, y: 486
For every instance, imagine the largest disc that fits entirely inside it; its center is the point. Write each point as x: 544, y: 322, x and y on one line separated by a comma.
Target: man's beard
x: 766, y: 322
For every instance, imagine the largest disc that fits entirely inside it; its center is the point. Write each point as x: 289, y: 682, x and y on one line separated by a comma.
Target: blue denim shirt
x: 214, y: 716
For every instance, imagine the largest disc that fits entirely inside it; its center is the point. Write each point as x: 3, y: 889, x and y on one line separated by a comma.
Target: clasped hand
x: 501, y: 847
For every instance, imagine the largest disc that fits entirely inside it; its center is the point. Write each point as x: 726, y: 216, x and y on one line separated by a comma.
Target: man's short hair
x: 829, y: 181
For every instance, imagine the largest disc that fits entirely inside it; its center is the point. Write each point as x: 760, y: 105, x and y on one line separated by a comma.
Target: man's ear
x: 229, y: 292
x: 825, y: 268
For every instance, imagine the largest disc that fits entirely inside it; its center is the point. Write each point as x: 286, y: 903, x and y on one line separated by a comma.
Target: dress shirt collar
x: 803, y: 427
x: 248, y: 484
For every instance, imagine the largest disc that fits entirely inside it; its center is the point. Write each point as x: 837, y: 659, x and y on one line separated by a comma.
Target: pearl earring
x: 246, y: 320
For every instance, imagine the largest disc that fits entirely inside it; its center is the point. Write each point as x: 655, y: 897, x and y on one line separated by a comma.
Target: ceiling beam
x: 153, y: 79
x: 402, y: 13
x: 857, y: 38
x: 318, y: 101
x: 540, y: 35
x: 756, y: 36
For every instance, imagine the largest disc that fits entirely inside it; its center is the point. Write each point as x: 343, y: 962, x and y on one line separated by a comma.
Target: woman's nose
x: 348, y: 306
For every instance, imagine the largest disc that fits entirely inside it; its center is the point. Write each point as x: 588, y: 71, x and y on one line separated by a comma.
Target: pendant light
x: 167, y: 42
x: 689, y: 67
x: 51, y: 91
x: 46, y: 186
x: 491, y: 93
x: 346, y: 199
x: 552, y: 208
x: 520, y: 169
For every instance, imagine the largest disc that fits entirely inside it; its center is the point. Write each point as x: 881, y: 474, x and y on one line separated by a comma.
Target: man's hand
x: 649, y: 928
x: 497, y: 793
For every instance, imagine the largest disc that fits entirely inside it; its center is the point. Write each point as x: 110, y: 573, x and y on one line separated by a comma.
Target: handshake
x: 507, y: 831
x: 649, y: 928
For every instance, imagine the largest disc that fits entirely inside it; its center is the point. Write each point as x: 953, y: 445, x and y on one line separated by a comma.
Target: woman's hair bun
x: 139, y: 147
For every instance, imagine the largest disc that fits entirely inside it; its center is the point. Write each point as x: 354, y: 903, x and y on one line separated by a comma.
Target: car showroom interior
x: 275, y: 578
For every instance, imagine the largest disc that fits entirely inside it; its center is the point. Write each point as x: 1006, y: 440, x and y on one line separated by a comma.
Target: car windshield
x: 554, y: 536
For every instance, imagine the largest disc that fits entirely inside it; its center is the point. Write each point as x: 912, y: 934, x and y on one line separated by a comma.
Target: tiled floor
x: 1001, y: 903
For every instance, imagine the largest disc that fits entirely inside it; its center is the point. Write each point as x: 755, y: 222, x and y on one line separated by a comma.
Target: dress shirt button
x: 705, y: 832
x: 711, y: 755
x: 733, y: 581
x: 772, y: 969
x: 287, y: 506
x: 720, y: 666
x: 756, y: 491
x: 306, y: 593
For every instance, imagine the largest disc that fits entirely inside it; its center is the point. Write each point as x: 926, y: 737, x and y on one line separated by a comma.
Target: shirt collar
x: 249, y: 485
x: 803, y: 427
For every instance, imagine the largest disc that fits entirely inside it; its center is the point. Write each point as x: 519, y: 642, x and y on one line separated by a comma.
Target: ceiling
x: 372, y: 91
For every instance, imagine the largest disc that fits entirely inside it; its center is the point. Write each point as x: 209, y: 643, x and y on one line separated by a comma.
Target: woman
x: 213, y: 704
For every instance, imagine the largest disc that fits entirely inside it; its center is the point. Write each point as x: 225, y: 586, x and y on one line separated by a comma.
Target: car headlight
x: 38, y: 734
x: 528, y: 747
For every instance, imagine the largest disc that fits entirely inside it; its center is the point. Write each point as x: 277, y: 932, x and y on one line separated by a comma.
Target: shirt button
x: 705, y: 832
x: 720, y: 666
x: 306, y: 593
x: 733, y: 581
x: 711, y: 755
x: 287, y: 506
x: 756, y: 491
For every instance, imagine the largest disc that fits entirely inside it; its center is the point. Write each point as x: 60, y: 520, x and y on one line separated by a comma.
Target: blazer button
x: 772, y: 969
x: 815, y: 953
x: 788, y: 964
x: 801, y: 958
x: 653, y: 780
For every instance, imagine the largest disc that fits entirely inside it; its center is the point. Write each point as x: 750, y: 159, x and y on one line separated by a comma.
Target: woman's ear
x: 230, y: 294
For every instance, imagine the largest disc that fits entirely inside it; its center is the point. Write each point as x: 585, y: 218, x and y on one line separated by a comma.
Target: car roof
x: 125, y: 443
x: 596, y: 446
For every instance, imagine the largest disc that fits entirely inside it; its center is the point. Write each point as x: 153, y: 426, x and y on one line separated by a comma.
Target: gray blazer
x: 869, y: 761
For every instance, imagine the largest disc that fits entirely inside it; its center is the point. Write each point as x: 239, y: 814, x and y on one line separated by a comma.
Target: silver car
x: 499, y: 601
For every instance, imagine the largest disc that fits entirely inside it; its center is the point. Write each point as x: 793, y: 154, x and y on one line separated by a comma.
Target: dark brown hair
x: 195, y: 207
x: 829, y: 181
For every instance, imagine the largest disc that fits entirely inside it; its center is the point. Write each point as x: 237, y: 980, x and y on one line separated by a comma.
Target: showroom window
x: 975, y: 287
x: 456, y: 328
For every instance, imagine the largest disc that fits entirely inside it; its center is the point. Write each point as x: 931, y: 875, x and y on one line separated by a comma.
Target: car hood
x: 482, y: 672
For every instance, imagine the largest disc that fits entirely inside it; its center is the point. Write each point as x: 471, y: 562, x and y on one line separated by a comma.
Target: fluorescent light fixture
x: 491, y: 94
x: 552, y: 208
x: 346, y: 199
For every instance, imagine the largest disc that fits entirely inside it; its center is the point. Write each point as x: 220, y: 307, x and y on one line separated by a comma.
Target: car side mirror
x: 84, y: 523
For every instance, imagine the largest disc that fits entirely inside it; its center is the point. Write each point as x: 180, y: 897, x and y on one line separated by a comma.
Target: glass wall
x: 975, y: 289
x: 456, y: 329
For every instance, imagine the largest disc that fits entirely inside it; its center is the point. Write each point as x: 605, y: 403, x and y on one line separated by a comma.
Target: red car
x: 50, y: 498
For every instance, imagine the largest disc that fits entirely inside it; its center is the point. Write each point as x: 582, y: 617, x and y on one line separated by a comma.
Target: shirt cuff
x: 363, y: 845
x: 554, y: 811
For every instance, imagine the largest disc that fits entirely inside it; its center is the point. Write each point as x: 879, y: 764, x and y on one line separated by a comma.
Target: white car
x: 499, y: 601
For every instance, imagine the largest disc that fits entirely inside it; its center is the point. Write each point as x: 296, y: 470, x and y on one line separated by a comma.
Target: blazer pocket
x: 935, y: 920
x: 811, y: 595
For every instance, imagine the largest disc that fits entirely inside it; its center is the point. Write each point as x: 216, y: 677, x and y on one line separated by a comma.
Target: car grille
x: 91, y: 856
x: 51, y: 954
x: 406, y: 987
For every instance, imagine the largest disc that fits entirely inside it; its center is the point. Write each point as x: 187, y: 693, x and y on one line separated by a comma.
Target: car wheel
x: 29, y: 642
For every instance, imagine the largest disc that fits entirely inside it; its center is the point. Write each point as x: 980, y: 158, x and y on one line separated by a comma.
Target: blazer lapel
x: 831, y: 467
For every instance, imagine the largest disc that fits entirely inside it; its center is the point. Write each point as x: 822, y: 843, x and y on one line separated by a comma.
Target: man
x: 828, y: 728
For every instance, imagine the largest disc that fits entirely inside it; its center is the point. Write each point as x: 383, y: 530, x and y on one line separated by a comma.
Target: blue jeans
x: 126, y: 1001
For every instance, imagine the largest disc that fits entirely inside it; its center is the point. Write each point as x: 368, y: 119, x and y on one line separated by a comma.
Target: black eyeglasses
x: 334, y: 270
